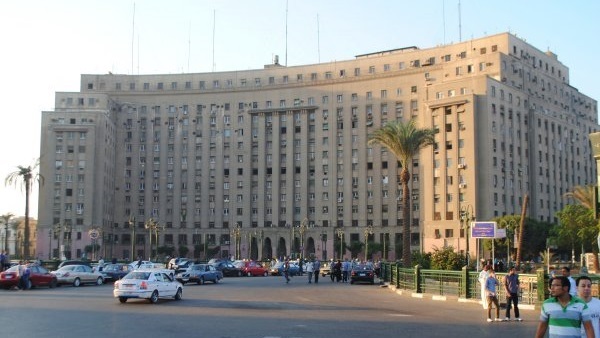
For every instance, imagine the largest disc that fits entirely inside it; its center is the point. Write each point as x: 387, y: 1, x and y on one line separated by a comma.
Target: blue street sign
x: 483, y: 229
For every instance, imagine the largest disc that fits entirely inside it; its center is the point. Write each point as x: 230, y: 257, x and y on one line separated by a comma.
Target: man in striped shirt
x: 563, y: 314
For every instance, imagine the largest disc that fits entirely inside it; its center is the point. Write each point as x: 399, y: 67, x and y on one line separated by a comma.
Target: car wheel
x: 154, y: 297
x: 178, y: 294
x: 122, y: 299
x: 77, y: 282
x: 53, y: 283
x: 201, y: 281
x: 239, y: 274
x: 265, y: 274
x: 249, y: 274
x: 99, y: 281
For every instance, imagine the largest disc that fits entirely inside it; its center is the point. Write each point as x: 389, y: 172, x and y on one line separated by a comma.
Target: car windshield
x: 363, y: 267
x: 112, y: 267
x: 137, y: 275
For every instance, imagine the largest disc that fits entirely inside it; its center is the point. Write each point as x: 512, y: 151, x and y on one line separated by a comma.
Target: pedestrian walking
x: 309, y: 270
x: 562, y: 315
x: 346, y: 267
x: 584, y: 291
x: 511, y: 286
x: 492, y: 296
x: 286, y: 270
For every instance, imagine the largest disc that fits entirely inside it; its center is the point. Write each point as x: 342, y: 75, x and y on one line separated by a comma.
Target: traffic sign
x: 483, y: 229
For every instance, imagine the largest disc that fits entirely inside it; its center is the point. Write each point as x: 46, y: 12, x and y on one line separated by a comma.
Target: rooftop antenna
x: 318, y: 39
x: 286, y: 32
x: 444, y: 18
x: 213, y: 45
x: 459, y: 24
x: 132, y: 36
x: 189, y: 45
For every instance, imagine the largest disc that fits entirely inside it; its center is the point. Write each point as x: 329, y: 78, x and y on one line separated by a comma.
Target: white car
x: 150, y: 284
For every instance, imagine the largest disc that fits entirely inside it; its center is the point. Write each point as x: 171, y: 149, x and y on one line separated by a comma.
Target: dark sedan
x: 114, y: 272
x: 362, y: 273
x: 228, y: 269
x: 38, y: 276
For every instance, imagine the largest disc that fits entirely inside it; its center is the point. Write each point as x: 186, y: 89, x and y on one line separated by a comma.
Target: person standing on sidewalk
x: 309, y: 270
x: 584, y: 291
x: 317, y: 270
x: 482, y: 278
x: 511, y: 286
x: 562, y: 314
x: 492, y: 297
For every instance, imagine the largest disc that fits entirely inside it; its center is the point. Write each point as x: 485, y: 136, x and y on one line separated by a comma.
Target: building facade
x: 274, y: 162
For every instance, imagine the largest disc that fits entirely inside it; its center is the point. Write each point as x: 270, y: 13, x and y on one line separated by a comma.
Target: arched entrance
x: 267, y: 250
x: 281, y: 248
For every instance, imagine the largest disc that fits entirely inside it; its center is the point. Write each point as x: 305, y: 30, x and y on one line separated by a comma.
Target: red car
x: 253, y: 268
x: 38, y: 276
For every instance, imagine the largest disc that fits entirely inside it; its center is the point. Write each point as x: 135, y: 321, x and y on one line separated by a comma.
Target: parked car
x: 38, y: 276
x: 183, y: 265
x: 113, y: 272
x: 252, y: 268
x: 228, y: 269
x: 77, y: 275
x: 148, y: 284
x: 362, y: 273
x: 199, y: 273
x: 277, y: 269
x: 325, y: 269
x: 74, y: 262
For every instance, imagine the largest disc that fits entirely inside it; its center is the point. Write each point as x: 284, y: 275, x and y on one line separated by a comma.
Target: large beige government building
x: 274, y: 162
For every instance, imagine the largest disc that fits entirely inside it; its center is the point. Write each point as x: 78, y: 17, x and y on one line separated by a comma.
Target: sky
x: 45, y: 46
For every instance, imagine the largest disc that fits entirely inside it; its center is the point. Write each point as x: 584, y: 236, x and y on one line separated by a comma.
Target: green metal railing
x: 463, y: 284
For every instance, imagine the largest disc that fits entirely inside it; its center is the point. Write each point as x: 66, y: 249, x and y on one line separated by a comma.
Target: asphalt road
x: 249, y: 307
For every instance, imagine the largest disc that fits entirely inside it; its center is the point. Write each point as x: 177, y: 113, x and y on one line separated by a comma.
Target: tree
x: 183, y: 251
x: 577, y: 225
x: 585, y: 195
x: 404, y: 140
x: 355, y: 248
x: 446, y: 259
x: 26, y: 175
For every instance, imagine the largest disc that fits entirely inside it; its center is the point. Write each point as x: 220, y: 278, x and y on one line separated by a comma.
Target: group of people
x: 312, y: 268
x: 571, y: 311
x: 340, y: 271
x: 489, y: 284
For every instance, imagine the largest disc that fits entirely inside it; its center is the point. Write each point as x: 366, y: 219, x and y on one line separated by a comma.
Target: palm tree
x: 405, y: 141
x: 586, y: 196
x: 25, y: 175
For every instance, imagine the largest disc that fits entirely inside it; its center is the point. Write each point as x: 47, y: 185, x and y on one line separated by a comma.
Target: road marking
x: 399, y: 315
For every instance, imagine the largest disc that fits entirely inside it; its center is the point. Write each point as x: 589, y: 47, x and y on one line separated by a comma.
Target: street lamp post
x: 368, y: 231
x: 302, y: 230
x: 153, y: 227
x: 6, y: 218
x: 49, y: 244
x: 340, y: 233
x: 467, y: 215
x: 57, y: 233
x: 132, y: 225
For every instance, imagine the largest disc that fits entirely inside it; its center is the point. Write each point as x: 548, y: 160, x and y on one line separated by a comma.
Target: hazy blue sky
x: 46, y: 45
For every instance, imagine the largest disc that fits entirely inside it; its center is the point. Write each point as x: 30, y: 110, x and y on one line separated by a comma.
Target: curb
x: 442, y: 298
